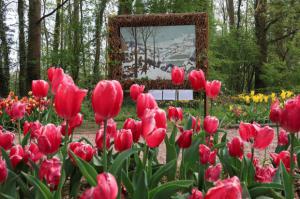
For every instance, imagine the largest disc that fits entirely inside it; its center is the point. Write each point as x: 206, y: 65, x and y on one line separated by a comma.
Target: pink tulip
x: 34, y: 128
x: 50, y: 171
x: 290, y: 115
x: 16, y: 155
x: 57, y: 77
x: 236, y: 147
x: 263, y: 138
x: 206, y: 156
x: 16, y: 111
x: 284, y: 157
x: 123, y: 140
x: 81, y: 150
x: 99, y: 139
x: 136, y: 90
x: 177, y: 75
x: 40, y: 88
x: 196, y: 124
x: 73, y: 123
x: 197, y: 80
x: 134, y: 127
x: 212, y: 89
x: 153, y: 119
x: 264, y: 174
x: 185, y: 139
x: 32, y: 153
x: 275, y: 111
x: 6, y: 139
x: 50, y: 139
x: 211, y: 124
x: 283, y: 138
x: 212, y: 173
x: 175, y: 113
x: 196, y: 194
x: 145, y: 101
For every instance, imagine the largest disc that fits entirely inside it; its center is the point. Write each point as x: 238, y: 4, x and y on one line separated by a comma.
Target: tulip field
x: 42, y: 155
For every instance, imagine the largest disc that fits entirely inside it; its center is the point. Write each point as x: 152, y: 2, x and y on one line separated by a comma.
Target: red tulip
x: 136, y: 90
x: 107, y: 99
x: 196, y: 194
x: 6, y: 139
x: 197, y: 80
x: 123, y: 140
x: 50, y: 139
x: 177, y: 75
x: 16, y: 155
x: 99, y: 139
x: 236, y: 147
x: 107, y: 187
x: 211, y: 124
x: 50, y: 73
x: 275, y: 111
x: 111, y: 128
x: 145, y: 101
x: 3, y: 171
x: 206, y: 156
x: 185, y: 139
x: 283, y: 138
x: 32, y: 153
x: 175, y: 113
x: 212, y: 89
x: 247, y: 131
x: 155, y: 138
x: 50, y: 172
x: 34, y: 128
x: 284, y: 157
x: 196, y: 124
x: 226, y: 189
x: 57, y: 77
x: 133, y: 126
x: 16, y: 111
x: 263, y: 138
x: 73, y: 123
x: 212, y: 173
x: 84, y: 151
x: 290, y: 116
x: 68, y: 100
x: 40, y: 88
x: 153, y: 119
x: 264, y: 174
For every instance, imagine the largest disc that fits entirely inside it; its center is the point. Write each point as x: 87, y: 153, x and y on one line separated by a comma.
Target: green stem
x: 211, y: 107
x: 252, y: 154
x: 265, y: 156
x: 145, y: 156
x: 292, y: 157
x: 104, y: 147
x: 182, y: 163
x: 20, y: 131
x: 66, y: 139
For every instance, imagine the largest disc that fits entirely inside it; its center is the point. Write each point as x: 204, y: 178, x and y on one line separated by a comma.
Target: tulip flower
x: 212, y: 173
x: 135, y: 127
x: 197, y: 80
x: 177, y: 75
x: 84, y: 151
x: 50, y: 73
x: 123, y: 140
x: 99, y: 139
x: 50, y: 171
x: 290, y: 115
x: 50, y: 139
x: 57, y: 76
x: 247, y: 131
x: 16, y: 155
x: 211, y: 124
x: 206, y: 156
x: 196, y: 194
x: 175, y: 114
x: 196, y: 124
x: 111, y: 128
x: 264, y: 174
x: 136, y: 90
x: 32, y: 153
x: 236, y: 147
x: 275, y: 111
x: 40, y: 88
x: 16, y: 111
x: 73, y: 123
x: 263, y: 138
x: 6, y: 139
x: 33, y: 128
x: 107, y: 99
x: 212, y: 89
x: 283, y: 138
x: 68, y: 100
x: 155, y: 138
x: 88, y: 194
x: 284, y: 157
x: 3, y: 171
x: 145, y: 101
x: 224, y: 189
x: 185, y: 139
x: 107, y: 187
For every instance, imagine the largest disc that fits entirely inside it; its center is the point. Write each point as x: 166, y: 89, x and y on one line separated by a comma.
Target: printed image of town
x: 151, y: 51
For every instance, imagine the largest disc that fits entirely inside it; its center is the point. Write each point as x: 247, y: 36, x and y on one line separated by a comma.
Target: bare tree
x: 146, y: 32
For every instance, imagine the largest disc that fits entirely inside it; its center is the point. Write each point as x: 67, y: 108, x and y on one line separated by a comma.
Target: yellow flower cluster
x: 263, y: 98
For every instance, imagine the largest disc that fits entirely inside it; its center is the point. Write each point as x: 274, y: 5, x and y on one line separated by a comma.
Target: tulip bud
x: 16, y: 111
x: 136, y: 90
x: 290, y: 115
x: 123, y: 140
x: 6, y: 139
x: 264, y: 174
x: 145, y: 101
x: 155, y: 138
x: 40, y: 88
x: 16, y: 155
x: 175, y: 113
x: 177, y: 75
x: 212, y: 89
x: 196, y: 194
x: 211, y: 124
x: 99, y: 139
x: 236, y: 147
x: 206, y: 156
x: 32, y: 153
x: 212, y: 173
x: 185, y: 139
x: 133, y: 126
x: 57, y: 76
x: 3, y: 171
x: 84, y: 151
x: 107, y: 187
x: 73, y: 123
x: 283, y: 138
x: 196, y: 124
x: 50, y: 171
x: 197, y: 80
x: 275, y: 111
x: 50, y: 139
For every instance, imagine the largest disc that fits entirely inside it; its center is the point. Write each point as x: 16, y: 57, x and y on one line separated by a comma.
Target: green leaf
x: 87, y: 170
x: 287, y: 182
x: 171, y: 155
x: 44, y: 190
x: 75, y: 183
x: 266, y: 189
x: 170, y: 188
x: 20, y: 182
x: 161, y: 172
x: 25, y: 139
x: 140, y: 185
x: 5, y: 196
x: 118, y: 162
x: 127, y: 183
x: 6, y: 158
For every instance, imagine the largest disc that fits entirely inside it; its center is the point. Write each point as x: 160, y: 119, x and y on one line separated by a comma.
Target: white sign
x: 169, y: 94
x: 157, y: 94
x: 185, y: 95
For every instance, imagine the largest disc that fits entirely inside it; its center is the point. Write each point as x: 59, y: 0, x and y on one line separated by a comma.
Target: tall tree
x: 76, y: 41
x: 125, y: 6
x: 22, y: 50
x: 4, y: 53
x: 56, y: 36
x: 34, y: 42
x: 230, y: 10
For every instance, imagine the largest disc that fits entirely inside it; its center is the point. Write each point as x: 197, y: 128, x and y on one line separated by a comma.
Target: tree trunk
x: 56, y: 36
x: 4, y: 57
x: 99, y: 22
x: 261, y: 40
x: 230, y: 10
x: 22, y: 50
x: 125, y: 7
x: 239, y: 14
x: 34, y: 43
x: 76, y: 43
